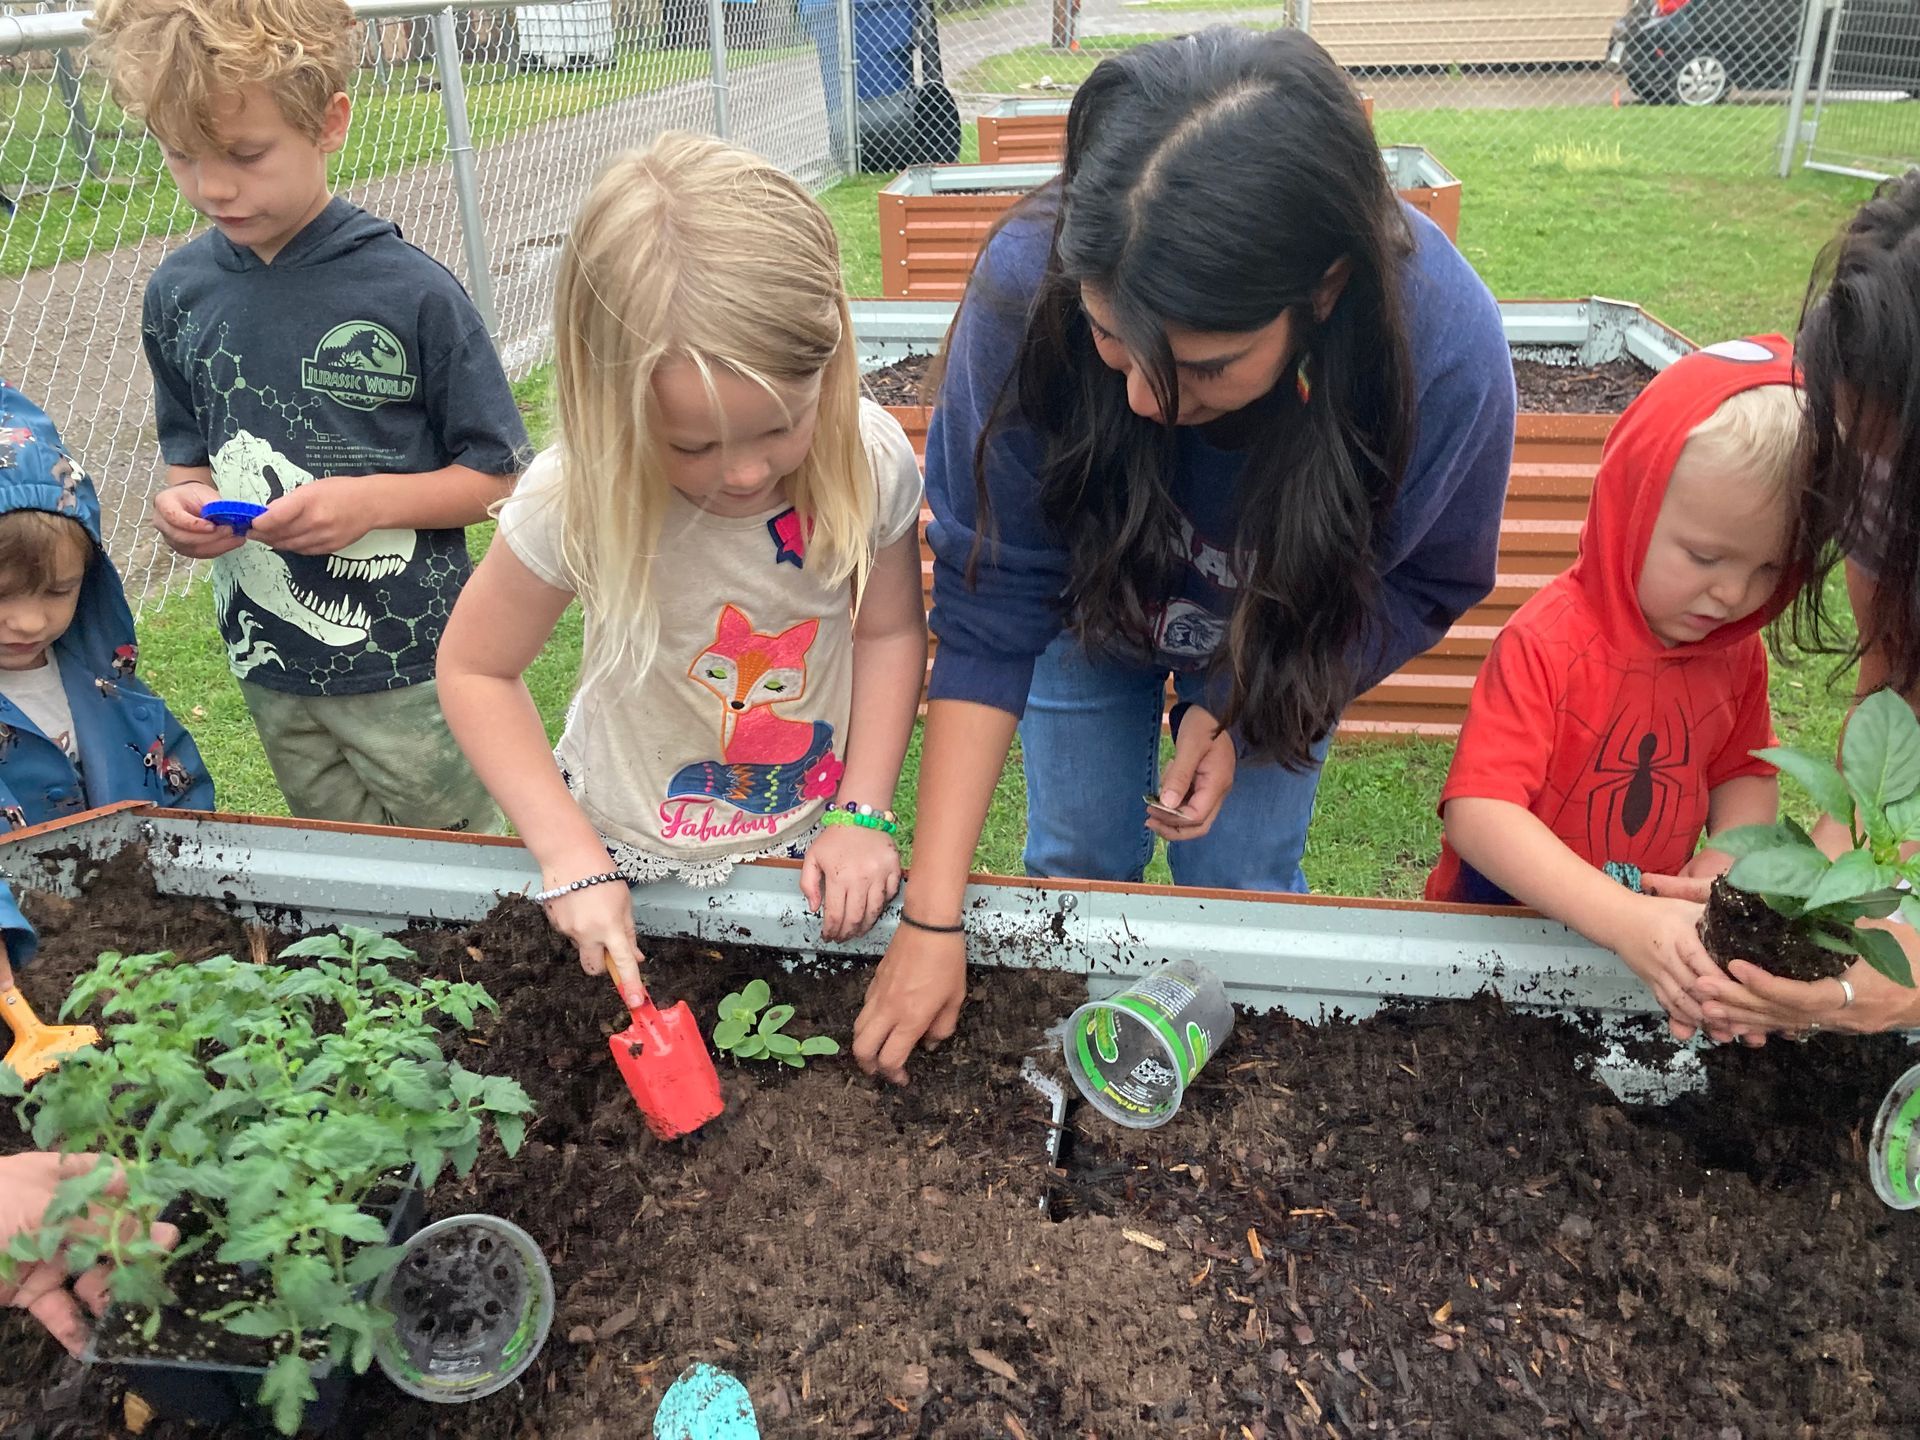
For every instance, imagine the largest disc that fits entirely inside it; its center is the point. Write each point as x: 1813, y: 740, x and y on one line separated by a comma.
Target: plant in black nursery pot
x: 1787, y: 906
x: 282, y: 1114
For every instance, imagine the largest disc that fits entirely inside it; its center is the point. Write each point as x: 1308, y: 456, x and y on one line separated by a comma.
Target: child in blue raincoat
x: 77, y: 728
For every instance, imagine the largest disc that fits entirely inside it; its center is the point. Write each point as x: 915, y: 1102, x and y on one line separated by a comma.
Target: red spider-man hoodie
x: 1580, y: 713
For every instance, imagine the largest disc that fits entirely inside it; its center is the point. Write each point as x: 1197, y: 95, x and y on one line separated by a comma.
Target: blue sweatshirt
x: 1435, y: 558
x: 125, y: 744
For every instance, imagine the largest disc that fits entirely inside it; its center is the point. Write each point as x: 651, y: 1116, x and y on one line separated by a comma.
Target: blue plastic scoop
x: 237, y: 514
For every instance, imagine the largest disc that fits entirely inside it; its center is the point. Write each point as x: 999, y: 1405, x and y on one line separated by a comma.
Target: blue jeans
x: 1091, y: 742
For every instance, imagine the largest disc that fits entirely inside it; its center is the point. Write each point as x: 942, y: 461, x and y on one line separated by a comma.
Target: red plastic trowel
x: 665, y: 1063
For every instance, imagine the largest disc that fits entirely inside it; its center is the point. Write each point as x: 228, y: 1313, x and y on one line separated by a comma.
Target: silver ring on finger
x: 1846, y: 992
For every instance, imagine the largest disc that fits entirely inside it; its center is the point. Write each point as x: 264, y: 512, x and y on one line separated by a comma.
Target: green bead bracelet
x: 865, y: 816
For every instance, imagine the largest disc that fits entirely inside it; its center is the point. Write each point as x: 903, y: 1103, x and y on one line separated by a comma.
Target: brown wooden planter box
x: 1023, y: 131
x: 935, y: 218
x: 1555, y: 459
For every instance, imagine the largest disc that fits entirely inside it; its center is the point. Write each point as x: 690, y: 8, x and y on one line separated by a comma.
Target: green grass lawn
x: 67, y: 212
x: 1598, y: 204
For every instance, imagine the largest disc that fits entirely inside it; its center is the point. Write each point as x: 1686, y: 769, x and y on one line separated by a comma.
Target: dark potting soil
x: 203, y: 1285
x: 1604, y: 389
x: 903, y: 383
x: 1432, y: 1222
x: 1742, y: 926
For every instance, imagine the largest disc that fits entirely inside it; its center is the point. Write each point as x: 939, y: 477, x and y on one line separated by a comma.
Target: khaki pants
x: 385, y: 758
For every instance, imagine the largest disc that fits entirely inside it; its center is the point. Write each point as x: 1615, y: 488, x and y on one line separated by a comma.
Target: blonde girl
x: 738, y: 527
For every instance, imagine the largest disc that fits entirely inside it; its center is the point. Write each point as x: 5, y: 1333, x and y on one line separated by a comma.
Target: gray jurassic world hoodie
x: 353, y: 353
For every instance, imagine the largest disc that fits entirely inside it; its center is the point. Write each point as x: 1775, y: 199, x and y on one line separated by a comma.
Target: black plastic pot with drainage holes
x: 206, y: 1392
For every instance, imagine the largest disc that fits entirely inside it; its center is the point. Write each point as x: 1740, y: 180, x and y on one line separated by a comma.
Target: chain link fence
x: 1686, y: 85
x: 476, y: 129
x: 1862, y: 61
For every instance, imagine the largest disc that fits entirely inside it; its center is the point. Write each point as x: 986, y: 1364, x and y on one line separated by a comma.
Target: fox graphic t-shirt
x: 735, y: 738
x: 353, y: 353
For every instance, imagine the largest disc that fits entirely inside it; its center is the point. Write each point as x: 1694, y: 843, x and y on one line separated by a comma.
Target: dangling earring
x: 1301, y: 384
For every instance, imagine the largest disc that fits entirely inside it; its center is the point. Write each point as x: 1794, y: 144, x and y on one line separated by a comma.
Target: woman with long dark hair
x: 1216, y: 404
x: 1859, y: 352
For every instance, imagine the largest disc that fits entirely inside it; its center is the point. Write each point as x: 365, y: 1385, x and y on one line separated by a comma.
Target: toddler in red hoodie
x: 1617, y: 714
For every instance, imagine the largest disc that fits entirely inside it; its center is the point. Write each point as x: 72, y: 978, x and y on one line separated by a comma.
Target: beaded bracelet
x: 850, y: 812
x: 604, y: 878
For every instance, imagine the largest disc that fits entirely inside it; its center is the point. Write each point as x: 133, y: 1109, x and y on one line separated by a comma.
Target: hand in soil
x: 27, y: 1184
x: 849, y: 876
x: 599, y: 921
x: 913, y: 999
x: 1659, y: 938
x: 1197, y: 779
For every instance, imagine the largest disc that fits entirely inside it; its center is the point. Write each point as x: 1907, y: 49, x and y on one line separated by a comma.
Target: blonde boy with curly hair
x: 308, y: 360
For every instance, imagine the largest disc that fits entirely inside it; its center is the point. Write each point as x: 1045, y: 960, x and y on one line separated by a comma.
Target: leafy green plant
x: 1875, y: 792
x: 279, y: 1103
x: 751, y: 1030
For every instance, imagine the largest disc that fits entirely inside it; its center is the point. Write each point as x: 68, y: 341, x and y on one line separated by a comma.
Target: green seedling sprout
x: 746, y: 1033
x: 1875, y: 793
x: 278, y: 1101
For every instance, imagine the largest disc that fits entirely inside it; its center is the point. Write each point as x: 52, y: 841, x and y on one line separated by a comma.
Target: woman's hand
x: 599, y: 921
x: 1753, y: 999
x: 27, y: 1183
x: 850, y: 874
x: 913, y: 999
x: 1197, y: 779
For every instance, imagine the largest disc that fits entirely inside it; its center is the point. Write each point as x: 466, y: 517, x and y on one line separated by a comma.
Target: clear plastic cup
x: 1134, y: 1054
x: 1893, y: 1157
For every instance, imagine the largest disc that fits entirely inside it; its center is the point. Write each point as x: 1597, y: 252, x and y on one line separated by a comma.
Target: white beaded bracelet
x: 605, y: 878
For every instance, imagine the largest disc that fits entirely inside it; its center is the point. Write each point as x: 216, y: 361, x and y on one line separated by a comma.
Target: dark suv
x: 1694, y: 52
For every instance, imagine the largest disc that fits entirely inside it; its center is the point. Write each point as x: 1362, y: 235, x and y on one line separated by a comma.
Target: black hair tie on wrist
x: 906, y: 919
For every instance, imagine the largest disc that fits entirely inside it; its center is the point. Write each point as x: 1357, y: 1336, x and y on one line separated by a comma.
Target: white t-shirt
x: 43, y: 700
x: 735, y: 739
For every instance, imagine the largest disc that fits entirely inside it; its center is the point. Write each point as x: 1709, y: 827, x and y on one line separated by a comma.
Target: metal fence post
x: 1303, y: 15
x: 466, y: 184
x: 1802, y: 78
x: 79, y: 128
x: 717, y: 47
x: 849, y: 99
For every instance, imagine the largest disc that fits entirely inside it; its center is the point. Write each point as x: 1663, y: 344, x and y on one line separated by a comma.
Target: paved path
x: 70, y: 335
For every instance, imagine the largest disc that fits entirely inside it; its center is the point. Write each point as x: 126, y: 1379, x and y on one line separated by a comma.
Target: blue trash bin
x: 883, y: 60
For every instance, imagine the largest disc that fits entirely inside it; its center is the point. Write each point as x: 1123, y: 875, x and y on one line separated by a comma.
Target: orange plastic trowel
x: 36, y: 1047
x: 663, y: 1058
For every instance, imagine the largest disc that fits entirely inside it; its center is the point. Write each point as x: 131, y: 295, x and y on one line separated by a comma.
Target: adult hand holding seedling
x: 1197, y: 779
x: 1750, y: 998
x: 28, y: 1184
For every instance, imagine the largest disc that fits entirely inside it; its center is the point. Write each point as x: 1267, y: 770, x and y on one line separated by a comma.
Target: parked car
x: 1696, y: 52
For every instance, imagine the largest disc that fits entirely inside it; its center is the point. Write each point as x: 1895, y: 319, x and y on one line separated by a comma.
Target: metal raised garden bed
x: 1309, y: 955
x: 934, y: 218
x: 1554, y: 461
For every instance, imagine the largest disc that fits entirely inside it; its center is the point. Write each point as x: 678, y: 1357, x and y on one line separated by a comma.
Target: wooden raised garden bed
x: 1022, y: 131
x: 935, y: 218
x: 1579, y: 363
x: 1433, y: 1221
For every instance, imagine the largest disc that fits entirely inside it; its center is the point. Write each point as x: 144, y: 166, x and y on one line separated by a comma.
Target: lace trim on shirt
x: 642, y: 867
